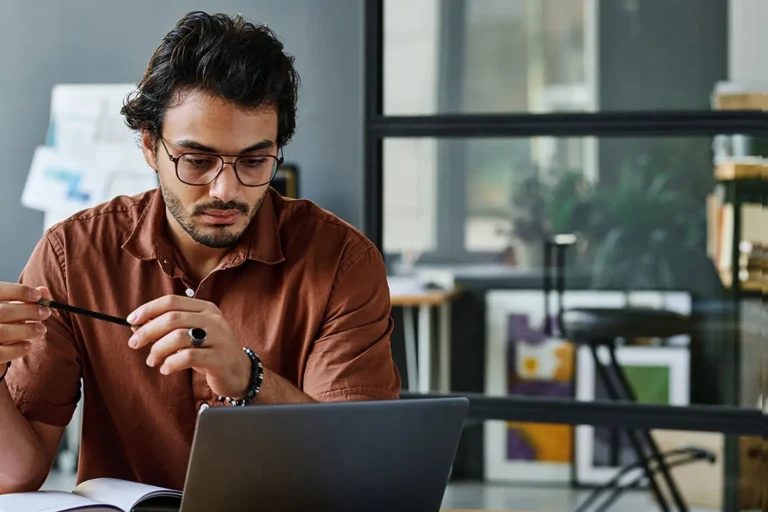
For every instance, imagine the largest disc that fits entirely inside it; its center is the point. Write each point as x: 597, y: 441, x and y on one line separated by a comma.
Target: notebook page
x: 121, y: 493
x: 50, y: 501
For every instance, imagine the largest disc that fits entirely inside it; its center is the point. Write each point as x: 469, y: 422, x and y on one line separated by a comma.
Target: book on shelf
x: 97, y: 495
x: 753, y: 246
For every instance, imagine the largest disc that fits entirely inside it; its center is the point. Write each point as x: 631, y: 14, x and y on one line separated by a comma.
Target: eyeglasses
x: 200, y: 169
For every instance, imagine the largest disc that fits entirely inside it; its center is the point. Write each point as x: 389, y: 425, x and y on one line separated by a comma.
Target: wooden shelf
x: 741, y: 101
x: 741, y: 171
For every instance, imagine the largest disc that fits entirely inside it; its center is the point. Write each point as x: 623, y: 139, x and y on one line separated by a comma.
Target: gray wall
x: 45, y: 42
x: 662, y: 56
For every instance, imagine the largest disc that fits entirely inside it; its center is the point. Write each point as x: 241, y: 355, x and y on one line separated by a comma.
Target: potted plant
x: 545, y: 204
x: 650, y: 227
x: 642, y: 228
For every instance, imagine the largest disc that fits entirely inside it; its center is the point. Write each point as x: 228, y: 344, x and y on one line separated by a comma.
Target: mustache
x: 220, y: 205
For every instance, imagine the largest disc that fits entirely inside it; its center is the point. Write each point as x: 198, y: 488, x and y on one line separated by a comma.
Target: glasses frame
x: 175, y: 160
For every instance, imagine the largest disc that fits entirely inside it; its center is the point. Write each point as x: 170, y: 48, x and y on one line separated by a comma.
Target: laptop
x: 393, y: 455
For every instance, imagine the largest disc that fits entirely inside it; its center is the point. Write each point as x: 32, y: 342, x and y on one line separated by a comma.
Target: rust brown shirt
x: 303, y: 289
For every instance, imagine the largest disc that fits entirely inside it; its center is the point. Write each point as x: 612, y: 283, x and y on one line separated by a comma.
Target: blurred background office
x: 669, y: 217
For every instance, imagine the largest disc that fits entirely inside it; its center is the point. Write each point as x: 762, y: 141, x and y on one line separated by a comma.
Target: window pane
x: 648, y: 215
x: 479, y: 56
x: 638, y: 205
x: 648, y: 212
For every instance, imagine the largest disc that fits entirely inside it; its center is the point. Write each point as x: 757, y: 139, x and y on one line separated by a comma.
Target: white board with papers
x: 90, y: 155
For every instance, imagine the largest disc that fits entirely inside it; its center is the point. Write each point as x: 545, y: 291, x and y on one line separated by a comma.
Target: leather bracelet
x: 257, y: 376
x: 7, y: 367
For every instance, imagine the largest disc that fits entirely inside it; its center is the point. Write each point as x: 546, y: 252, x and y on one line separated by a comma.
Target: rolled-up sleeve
x: 45, y: 383
x: 351, y: 358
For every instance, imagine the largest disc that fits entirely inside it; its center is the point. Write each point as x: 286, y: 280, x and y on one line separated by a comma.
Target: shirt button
x: 190, y: 292
x: 203, y: 407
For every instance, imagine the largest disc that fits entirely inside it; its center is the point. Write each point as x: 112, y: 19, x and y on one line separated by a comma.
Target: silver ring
x: 197, y: 336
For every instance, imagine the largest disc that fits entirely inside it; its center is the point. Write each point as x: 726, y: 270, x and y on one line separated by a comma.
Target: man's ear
x: 148, y: 149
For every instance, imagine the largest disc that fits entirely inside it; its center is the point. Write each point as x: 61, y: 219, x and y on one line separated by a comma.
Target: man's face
x: 217, y: 214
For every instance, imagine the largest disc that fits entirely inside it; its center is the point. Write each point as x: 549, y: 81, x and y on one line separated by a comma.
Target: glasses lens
x: 198, y: 169
x: 256, y: 170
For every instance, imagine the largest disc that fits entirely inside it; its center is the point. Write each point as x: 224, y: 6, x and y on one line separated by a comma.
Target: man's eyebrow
x: 191, y: 144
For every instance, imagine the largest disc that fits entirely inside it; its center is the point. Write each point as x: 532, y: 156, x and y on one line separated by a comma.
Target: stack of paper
x: 90, y: 155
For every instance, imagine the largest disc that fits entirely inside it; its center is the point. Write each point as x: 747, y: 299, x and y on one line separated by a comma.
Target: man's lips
x: 221, y: 216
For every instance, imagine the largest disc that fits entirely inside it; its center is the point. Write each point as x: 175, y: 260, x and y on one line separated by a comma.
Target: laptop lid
x: 392, y: 455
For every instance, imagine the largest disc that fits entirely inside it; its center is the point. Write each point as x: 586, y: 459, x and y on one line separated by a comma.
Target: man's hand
x: 165, y: 323
x: 20, y: 320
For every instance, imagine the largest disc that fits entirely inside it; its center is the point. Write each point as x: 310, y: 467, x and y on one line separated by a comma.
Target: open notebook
x: 97, y: 495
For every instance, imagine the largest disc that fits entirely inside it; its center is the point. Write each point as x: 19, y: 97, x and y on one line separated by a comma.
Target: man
x: 239, y: 297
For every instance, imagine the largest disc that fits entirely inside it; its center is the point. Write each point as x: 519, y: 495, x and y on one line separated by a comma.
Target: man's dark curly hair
x: 226, y: 56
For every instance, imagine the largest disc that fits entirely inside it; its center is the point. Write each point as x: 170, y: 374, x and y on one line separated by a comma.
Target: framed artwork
x: 658, y: 375
x: 522, y: 360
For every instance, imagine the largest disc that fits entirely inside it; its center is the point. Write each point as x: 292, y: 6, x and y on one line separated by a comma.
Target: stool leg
x: 637, y: 447
x: 629, y: 393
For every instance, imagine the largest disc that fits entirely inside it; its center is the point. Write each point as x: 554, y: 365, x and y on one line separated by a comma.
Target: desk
x: 169, y: 509
x: 420, y: 370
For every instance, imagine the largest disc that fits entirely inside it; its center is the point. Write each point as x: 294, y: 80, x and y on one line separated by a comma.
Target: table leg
x: 410, y: 347
x: 425, y: 344
x: 445, y: 347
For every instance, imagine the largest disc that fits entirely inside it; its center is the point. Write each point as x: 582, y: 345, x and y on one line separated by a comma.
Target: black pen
x: 80, y: 311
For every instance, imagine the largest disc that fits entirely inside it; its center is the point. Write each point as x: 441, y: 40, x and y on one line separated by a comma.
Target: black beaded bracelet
x: 7, y: 367
x: 257, y: 376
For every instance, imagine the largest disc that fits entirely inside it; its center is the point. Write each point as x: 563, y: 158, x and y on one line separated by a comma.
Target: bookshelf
x: 736, y: 217
x: 737, y: 221
x: 738, y: 246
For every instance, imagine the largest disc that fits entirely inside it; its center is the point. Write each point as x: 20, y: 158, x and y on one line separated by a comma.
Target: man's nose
x: 226, y: 186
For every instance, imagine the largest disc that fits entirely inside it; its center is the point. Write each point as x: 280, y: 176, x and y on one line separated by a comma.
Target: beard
x: 216, y: 237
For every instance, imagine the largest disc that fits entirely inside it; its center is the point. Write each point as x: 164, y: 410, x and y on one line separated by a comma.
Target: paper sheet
x: 49, y: 501
x: 121, y: 493
x: 88, y: 114
x: 62, y: 183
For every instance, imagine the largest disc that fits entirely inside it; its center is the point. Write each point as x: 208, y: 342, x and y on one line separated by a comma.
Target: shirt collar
x: 260, y: 241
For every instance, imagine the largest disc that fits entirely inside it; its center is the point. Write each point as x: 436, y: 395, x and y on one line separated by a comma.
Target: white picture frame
x: 500, y: 304
x: 675, y: 358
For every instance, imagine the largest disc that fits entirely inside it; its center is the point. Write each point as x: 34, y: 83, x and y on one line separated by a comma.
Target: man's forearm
x: 21, y: 457
x: 277, y: 390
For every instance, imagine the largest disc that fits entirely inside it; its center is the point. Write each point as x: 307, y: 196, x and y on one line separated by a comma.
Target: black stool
x: 596, y: 327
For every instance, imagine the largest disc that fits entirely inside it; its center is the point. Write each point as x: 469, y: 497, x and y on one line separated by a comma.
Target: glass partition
x: 653, y: 224
x: 489, y: 56
x: 670, y: 223
x: 638, y: 206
